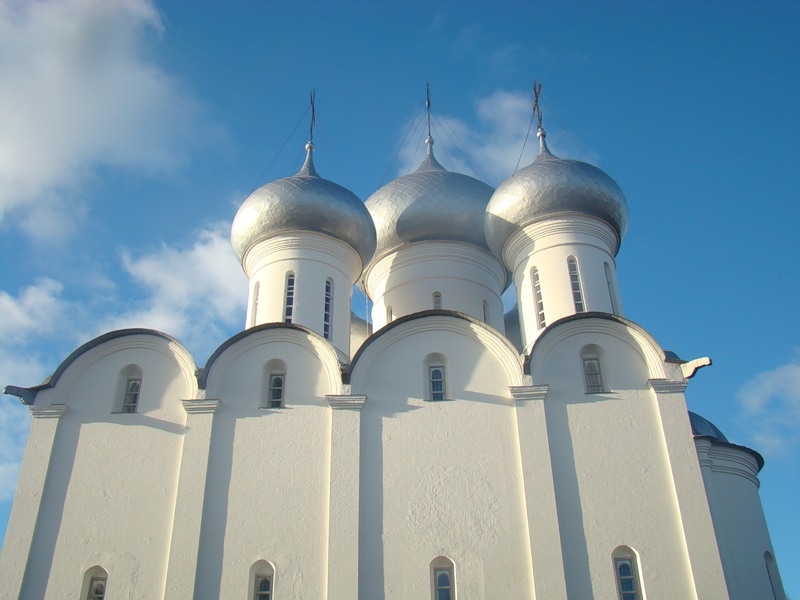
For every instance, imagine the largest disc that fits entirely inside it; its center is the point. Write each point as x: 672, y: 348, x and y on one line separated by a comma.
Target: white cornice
x: 521, y: 393
x: 668, y: 386
x: 54, y: 411
x: 201, y: 405
x: 346, y: 401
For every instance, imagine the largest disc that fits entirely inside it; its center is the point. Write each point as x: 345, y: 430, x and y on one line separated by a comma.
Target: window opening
x: 594, y: 378
x: 611, y: 294
x: 389, y: 314
x: 626, y: 579
x: 575, y: 282
x: 537, y: 294
x: 326, y: 325
x: 97, y: 588
x: 263, y: 587
x: 288, y: 310
x: 276, y: 385
x: 132, y: 388
x: 253, y: 317
x: 436, y: 382
x: 485, y: 311
x: 443, y: 586
x: 437, y: 301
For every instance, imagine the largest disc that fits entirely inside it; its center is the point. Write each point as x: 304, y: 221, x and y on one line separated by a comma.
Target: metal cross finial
x: 312, y: 96
x: 537, y: 111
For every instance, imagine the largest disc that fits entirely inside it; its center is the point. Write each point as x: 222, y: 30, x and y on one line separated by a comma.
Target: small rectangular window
x: 276, y: 388
x: 288, y: 309
x: 436, y: 382
x: 626, y: 579
x: 131, y: 399
x: 328, y: 310
x: 263, y: 588
x: 594, y: 378
x: 443, y: 584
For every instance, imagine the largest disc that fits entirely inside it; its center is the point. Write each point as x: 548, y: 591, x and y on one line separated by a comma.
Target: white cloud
x: 490, y: 149
x: 80, y: 93
x: 195, y: 293
x: 770, y: 404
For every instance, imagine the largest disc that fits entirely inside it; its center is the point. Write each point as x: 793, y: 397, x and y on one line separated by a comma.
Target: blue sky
x: 131, y: 131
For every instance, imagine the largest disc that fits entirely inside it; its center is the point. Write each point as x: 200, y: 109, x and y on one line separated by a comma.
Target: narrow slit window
x: 436, y: 381
x: 277, y: 382
x: 437, y: 301
x: 594, y: 377
x: 537, y: 295
x: 627, y: 584
x: 131, y: 400
x: 575, y: 282
x: 254, y: 316
x: 485, y: 311
x: 611, y: 293
x: 389, y: 314
x: 288, y: 307
x: 326, y: 325
x: 443, y: 583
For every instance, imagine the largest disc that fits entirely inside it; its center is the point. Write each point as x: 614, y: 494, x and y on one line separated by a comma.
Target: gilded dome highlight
x: 304, y: 202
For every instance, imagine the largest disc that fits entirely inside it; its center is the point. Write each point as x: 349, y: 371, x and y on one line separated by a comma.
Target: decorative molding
x: 522, y: 393
x: 346, y: 401
x: 54, y: 411
x: 200, y: 405
x: 668, y: 386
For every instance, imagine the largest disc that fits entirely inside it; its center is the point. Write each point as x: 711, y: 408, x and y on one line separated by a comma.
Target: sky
x: 132, y: 130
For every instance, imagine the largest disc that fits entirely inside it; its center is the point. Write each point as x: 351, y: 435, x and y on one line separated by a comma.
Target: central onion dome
x: 549, y: 186
x: 430, y: 204
x: 304, y: 202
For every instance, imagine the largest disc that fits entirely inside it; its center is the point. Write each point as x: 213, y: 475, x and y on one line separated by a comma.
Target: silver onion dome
x: 549, y: 186
x: 304, y: 202
x: 430, y: 204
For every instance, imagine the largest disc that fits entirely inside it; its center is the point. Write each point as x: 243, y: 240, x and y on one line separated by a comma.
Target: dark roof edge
x: 755, y: 454
x: 28, y: 395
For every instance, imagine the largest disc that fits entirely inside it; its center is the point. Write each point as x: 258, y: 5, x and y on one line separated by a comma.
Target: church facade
x: 449, y: 451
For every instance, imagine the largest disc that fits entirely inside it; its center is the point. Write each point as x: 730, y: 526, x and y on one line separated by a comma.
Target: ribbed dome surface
x: 548, y: 186
x: 430, y: 204
x: 304, y: 202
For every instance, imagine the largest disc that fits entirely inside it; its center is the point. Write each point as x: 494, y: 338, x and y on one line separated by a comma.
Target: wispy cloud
x: 495, y: 145
x: 770, y: 404
x: 196, y: 292
x: 79, y: 93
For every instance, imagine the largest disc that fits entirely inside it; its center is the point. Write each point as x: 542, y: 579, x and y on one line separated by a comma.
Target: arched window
x: 274, y: 384
x: 326, y: 321
x: 537, y: 296
x: 435, y: 365
x: 592, y: 369
x: 575, y: 282
x: 437, y: 300
x: 443, y: 584
x: 129, y: 387
x: 262, y: 580
x: 94, y: 583
x: 611, y: 293
x: 288, y: 305
x: 626, y: 572
x: 254, y: 314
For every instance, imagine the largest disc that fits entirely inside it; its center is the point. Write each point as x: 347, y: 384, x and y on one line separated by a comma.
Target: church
x: 442, y: 449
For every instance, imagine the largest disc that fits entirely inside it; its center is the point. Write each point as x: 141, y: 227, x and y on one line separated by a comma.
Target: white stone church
x: 447, y: 451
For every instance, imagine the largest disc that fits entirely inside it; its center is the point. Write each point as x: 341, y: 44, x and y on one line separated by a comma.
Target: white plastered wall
x: 464, y: 275
x: 441, y: 478
x: 111, y: 484
x: 606, y: 445
x: 268, y: 477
